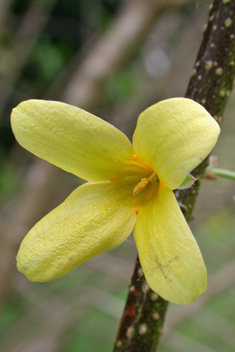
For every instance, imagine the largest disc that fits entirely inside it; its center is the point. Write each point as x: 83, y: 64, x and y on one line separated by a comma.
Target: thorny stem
x: 210, y: 85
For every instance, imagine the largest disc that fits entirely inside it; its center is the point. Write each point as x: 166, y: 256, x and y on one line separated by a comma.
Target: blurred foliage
x: 81, y: 311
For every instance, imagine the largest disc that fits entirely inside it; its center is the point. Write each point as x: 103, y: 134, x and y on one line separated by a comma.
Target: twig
x: 210, y: 85
x: 133, y: 22
x: 32, y: 25
x: 151, y: 90
x: 5, y: 6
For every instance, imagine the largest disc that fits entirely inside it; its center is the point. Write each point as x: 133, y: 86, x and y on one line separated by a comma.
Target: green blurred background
x: 113, y: 58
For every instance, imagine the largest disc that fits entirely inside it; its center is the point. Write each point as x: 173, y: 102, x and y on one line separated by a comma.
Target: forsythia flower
x: 129, y: 188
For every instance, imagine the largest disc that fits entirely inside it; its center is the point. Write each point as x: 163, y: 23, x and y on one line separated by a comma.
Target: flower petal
x: 168, y: 252
x: 93, y: 219
x: 71, y: 138
x: 174, y: 136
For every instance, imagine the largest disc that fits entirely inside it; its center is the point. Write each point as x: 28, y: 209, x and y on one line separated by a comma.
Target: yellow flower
x: 129, y: 188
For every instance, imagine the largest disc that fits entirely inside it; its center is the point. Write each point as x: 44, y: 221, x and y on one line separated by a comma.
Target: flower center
x: 137, y: 184
x: 149, y: 186
x: 144, y: 182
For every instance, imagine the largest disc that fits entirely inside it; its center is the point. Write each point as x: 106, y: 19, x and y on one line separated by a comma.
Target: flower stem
x: 224, y: 173
x: 210, y: 85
